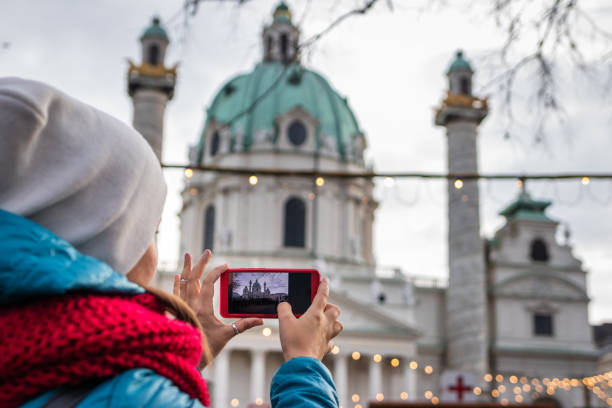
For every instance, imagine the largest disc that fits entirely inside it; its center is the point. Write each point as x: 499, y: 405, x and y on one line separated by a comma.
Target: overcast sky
x: 390, y: 65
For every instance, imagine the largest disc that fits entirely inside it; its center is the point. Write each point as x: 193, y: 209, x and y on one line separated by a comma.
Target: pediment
x: 542, y: 285
x: 361, y: 317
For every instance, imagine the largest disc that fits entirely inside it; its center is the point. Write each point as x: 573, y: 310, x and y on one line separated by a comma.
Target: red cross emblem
x: 459, y: 388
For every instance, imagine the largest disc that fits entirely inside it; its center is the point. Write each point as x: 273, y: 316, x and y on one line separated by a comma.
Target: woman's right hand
x: 309, y: 335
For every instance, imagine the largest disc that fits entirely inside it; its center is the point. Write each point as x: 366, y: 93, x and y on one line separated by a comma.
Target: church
x: 510, y: 327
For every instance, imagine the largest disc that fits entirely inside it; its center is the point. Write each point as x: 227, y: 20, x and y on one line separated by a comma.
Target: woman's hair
x: 181, y: 310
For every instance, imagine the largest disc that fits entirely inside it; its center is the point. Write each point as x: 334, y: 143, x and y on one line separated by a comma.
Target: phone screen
x: 259, y: 293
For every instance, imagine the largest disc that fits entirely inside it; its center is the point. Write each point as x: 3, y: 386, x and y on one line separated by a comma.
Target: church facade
x: 513, y: 314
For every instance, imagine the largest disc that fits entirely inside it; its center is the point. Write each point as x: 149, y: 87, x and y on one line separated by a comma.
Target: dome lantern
x: 281, y: 38
x: 460, y: 75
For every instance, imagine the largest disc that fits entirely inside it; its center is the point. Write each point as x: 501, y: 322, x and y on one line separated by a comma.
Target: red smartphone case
x: 315, y: 279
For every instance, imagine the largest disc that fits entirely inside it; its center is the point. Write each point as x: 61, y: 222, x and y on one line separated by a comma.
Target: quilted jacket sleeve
x: 303, y: 382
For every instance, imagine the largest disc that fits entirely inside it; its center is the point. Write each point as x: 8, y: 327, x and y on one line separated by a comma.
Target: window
x: 214, y: 144
x: 269, y: 45
x: 539, y: 250
x: 542, y: 324
x: 464, y: 86
x: 154, y: 54
x: 209, y: 227
x: 297, y: 133
x: 295, y: 223
x: 284, y: 43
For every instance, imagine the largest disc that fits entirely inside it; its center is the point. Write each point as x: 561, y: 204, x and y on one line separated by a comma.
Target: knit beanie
x: 82, y: 174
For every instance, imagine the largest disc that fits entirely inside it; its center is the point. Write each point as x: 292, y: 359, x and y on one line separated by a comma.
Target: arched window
x: 297, y: 133
x: 269, y: 45
x: 154, y: 54
x: 209, y: 227
x: 464, y: 86
x: 214, y: 144
x: 539, y: 251
x: 284, y: 45
x: 295, y: 223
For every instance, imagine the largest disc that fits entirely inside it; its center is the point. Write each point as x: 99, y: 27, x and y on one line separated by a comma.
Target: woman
x: 81, y: 196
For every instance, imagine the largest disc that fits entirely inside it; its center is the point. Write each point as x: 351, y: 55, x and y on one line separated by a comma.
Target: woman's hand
x: 311, y: 334
x: 200, y: 298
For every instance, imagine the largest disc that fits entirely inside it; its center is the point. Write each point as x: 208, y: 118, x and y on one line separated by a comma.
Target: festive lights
x: 266, y: 331
x: 499, y: 378
x: 435, y: 400
x: 458, y: 184
x: 585, y: 180
x: 380, y: 396
x: 414, y: 365
x: 477, y: 391
x: 320, y: 181
x: 495, y: 393
x: 253, y: 180
x: 335, y: 350
x: 404, y: 395
x: 377, y: 358
x: 188, y: 173
x: 502, y: 388
x: 428, y: 394
x: 488, y: 377
x: 389, y: 182
x: 504, y: 401
x: 428, y: 369
x: 395, y: 362
x: 513, y: 379
x: 235, y: 402
x: 258, y: 401
x: 356, y: 355
x: 355, y: 397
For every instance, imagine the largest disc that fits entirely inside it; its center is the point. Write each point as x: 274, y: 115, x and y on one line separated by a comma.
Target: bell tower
x: 151, y: 86
x: 466, y: 301
x: 281, y: 38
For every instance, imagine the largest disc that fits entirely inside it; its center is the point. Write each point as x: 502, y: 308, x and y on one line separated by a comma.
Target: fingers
x: 284, y: 312
x: 335, y: 329
x: 176, y: 288
x: 212, y: 276
x: 320, y: 299
x: 248, y: 323
x: 198, y: 270
x: 332, y: 311
x: 186, y: 266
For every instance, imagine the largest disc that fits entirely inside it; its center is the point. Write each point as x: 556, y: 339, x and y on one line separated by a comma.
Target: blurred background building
x: 512, y: 321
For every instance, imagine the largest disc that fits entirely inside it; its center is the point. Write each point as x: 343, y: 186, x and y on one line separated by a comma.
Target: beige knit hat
x: 78, y: 172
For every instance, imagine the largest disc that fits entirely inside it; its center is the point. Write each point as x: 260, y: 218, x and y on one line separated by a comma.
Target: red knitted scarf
x: 75, y: 338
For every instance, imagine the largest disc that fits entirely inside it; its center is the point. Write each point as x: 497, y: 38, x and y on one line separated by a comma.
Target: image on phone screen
x: 261, y: 292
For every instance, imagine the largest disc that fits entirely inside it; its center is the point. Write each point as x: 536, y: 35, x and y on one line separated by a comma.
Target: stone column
x: 149, y: 109
x: 410, y: 380
x: 341, y: 378
x: 258, y: 375
x: 221, y: 382
x: 375, y: 379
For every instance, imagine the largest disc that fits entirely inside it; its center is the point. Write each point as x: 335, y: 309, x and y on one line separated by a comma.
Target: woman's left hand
x: 199, y: 296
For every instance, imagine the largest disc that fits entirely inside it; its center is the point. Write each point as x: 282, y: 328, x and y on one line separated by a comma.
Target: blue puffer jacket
x: 34, y: 263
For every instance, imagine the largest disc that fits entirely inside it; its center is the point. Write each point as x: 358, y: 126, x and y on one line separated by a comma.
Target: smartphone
x: 256, y: 292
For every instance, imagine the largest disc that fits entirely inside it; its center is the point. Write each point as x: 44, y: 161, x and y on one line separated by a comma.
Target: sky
x: 276, y: 282
x: 390, y: 64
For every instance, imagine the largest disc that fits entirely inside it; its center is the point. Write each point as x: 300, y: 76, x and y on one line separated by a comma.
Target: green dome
x: 271, y: 98
x: 155, y: 30
x: 460, y: 64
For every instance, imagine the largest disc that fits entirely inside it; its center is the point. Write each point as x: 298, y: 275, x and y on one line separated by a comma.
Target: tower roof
x: 525, y: 207
x: 251, y: 103
x: 282, y: 13
x: 460, y: 63
x: 155, y: 30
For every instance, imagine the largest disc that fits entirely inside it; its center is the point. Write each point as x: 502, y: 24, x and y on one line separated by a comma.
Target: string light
x: 335, y: 350
x: 356, y: 355
x: 585, y: 180
x: 389, y: 182
x: 414, y: 365
x: 377, y: 358
x: 253, y: 180
x: 258, y: 401
x: 404, y: 395
x: 188, y: 173
x: 320, y: 181
x: 193, y: 191
x: 355, y: 397
x: 458, y: 184
x: 311, y: 196
x: 395, y: 362
x: 502, y: 388
x: 266, y: 331
x: 513, y: 379
x: 358, y: 406
x: 526, y: 387
x: 477, y: 391
x: 428, y: 394
x: 488, y: 377
x: 235, y: 402
x: 435, y: 400
x: 504, y: 401
x: 499, y: 378
x: 517, y: 390
x: 428, y: 369
x: 380, y: 396
x: 495, y: 393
